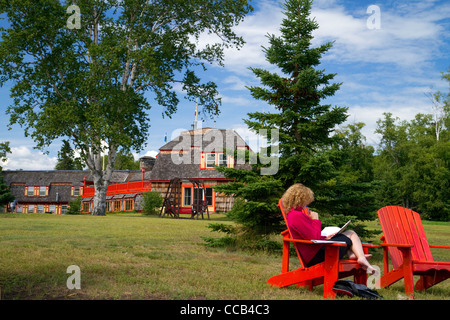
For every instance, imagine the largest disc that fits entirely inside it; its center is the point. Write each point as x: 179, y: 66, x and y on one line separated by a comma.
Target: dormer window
x: 42, y: 191
x: 29, y: 191
x: 36, y: 191
x: 222, y: 160
x: 210, y: 160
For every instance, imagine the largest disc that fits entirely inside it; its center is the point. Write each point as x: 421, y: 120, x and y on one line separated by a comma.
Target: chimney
x: 146, y: 163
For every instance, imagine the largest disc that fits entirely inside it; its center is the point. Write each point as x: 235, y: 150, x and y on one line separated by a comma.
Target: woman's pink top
x: 302, y: 227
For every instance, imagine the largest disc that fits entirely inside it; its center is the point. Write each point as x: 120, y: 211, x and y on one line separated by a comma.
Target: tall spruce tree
x: 305, y: 124
x: 352, y: 189
x: 66, y: 158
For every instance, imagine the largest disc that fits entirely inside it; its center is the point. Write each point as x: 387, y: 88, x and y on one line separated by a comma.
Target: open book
x: 330, y: 230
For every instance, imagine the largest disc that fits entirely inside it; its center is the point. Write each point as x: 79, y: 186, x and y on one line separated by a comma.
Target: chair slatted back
x: 280, y: 205
x: 404, y: 226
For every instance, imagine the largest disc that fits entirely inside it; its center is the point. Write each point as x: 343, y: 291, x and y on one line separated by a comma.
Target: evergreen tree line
x: 67, y: 160
x: 409, y: 167
x: 5, y: 193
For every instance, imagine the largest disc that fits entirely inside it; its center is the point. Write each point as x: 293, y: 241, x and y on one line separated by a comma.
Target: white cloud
x: 405, y: 39
x: 25, y: 158
x: 399, y: 105
x: 254, y: 30
x: 253, y: 140
x: 235, y: 101
x: 235, y: 83
x: 151, y: 153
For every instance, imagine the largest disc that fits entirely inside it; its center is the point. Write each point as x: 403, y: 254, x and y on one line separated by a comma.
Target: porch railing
x: 120, y: 188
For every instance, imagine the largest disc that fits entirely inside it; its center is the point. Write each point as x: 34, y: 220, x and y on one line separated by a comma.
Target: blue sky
x: 382, y: 70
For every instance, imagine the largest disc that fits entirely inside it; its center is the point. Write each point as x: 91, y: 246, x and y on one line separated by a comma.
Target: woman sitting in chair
x: 308, y: 227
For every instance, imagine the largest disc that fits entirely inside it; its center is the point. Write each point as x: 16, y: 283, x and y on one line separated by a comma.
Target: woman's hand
x: 330, y: 236
x: 314, y: 215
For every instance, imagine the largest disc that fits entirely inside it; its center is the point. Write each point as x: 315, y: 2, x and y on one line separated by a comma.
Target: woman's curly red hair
x: 297, y: 195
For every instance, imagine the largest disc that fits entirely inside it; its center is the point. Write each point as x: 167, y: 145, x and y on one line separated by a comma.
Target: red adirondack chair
x: 404, y: 240
x: 325, y: 273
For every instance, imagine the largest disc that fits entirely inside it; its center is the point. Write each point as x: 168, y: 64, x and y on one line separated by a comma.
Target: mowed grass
x: 126, y: 256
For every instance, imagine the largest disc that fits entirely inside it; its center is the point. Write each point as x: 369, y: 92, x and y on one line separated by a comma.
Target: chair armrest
x: 327, y: 243
x: 370, y: 245
x: 439, y: 247
x: 398, y: 245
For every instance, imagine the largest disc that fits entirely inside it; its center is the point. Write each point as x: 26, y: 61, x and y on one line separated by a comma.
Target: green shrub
x: 152, y: 202
x: 74, y: 206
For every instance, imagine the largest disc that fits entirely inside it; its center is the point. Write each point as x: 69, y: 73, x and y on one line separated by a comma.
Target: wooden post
x: 331, y: 270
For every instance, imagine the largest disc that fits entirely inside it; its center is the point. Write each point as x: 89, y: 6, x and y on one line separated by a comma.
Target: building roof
x: 45, y: 178
x: 181, y: 157
x: 58, y: 181
x: 206, y: 139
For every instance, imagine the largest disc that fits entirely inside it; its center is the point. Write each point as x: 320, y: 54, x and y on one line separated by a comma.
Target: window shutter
x: 203, y: 161
x: 230, y: 161
x: 81, y: 191
x: 26, y: 191
x: 71, y: 191
x: 36, y: 191
x: 46, y: 191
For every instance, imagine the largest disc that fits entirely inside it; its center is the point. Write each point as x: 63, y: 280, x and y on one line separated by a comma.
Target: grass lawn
x: 130, y: 256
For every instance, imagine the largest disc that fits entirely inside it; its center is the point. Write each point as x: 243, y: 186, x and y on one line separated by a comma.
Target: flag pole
x: 195, y: 120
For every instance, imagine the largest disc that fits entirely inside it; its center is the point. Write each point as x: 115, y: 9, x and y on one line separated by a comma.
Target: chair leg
x: 360, y: 277
x: 307, y: 284
x: 285, y: 261
x: 331, y: 271
x: 427, y: 281
x: 407, y: 270
x: 424, y: 283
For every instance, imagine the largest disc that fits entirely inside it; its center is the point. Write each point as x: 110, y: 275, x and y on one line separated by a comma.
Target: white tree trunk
x: 100, y: 185
x: 101, y: 177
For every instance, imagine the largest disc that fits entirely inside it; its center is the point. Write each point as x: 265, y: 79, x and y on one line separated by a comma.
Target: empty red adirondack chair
x: 325, y: 273
x: 404, y: 240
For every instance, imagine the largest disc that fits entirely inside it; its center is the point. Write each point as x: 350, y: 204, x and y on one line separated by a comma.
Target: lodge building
x: 190, y: 157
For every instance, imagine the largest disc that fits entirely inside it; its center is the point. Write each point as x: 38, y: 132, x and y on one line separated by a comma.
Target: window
x: 108, y: 206
x: 210, y: 160
x: 187, y: 196
x: 209, y: 196
x: 198, y: 194
x: 64, y: 209
x: 117, y: 205
x: 86, y: 206
x: 129, y: 204
x: 30, y: 191
x: 222, y: 162
x: 76, y: 191
x: 40, y: 208
x: 51, y: 208
x: 31, y: 208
